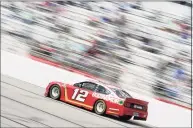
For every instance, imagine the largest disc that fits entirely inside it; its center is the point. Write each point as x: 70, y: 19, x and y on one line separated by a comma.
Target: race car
x: 99, y: 97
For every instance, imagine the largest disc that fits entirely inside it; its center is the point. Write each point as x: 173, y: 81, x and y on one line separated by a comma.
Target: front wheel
x: 125, y: 118
x: 54, y: 92
x: 100, y: 107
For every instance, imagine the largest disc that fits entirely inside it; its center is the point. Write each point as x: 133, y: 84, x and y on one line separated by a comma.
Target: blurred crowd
x: 107, y: 39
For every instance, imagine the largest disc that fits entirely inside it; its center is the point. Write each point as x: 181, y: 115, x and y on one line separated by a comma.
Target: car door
x: 80, y: 94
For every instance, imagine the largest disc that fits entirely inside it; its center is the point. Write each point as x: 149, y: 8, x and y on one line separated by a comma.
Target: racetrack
x: 24, y: 105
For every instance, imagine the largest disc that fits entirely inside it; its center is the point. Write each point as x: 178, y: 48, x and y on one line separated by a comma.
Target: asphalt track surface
x: 24, y: 105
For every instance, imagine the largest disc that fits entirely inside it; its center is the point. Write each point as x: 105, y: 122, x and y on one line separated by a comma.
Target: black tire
x: 96, y: 107
x: 125, y: 118
x: 54, y: 92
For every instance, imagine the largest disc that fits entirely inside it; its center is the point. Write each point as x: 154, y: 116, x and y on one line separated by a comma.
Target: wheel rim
x: 100, y: 107
x: 55, y: 91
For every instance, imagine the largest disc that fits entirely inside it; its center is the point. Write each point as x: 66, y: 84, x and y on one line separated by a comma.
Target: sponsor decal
x: 114, y: 109
x: 108, y: 98
x: 121, y: 102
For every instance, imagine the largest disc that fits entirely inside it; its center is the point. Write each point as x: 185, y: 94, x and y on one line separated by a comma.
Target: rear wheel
x: 54, y: 92
x: 125, y: 118
x: 100, y: 107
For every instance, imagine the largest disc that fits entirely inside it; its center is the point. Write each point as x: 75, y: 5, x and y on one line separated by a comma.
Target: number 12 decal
x: 80, y: 95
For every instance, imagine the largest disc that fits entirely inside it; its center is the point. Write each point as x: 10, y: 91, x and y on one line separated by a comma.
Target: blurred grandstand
x: 130, y: 44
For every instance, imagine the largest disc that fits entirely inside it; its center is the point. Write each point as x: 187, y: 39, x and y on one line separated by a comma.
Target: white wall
x: 34, y: 72
x: 160, y: 114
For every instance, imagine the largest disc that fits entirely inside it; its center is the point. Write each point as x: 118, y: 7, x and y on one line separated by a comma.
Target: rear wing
x: 137, y: 101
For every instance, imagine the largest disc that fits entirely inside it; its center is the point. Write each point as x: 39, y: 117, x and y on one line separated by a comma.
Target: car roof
x: 105, y: 84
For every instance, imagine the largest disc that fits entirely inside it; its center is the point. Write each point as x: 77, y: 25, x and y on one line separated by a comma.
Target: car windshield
x: 121, y: 93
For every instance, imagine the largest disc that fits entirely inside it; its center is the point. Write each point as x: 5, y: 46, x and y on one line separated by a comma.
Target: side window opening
x: 89, y: 86
x: 121, y: 93
x: 78, y: 85
x: 101, y: 89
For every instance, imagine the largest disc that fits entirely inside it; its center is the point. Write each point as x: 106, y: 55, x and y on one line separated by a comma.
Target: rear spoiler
x: 136, y: 101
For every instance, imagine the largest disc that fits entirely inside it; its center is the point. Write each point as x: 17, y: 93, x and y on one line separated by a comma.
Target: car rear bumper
x: 137, y: 114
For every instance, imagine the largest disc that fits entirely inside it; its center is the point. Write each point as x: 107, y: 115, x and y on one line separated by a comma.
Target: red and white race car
x: 100, y: 98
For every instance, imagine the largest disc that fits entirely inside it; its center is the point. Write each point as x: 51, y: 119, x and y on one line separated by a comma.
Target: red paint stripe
x: 45, y: 61
x: 170, y: 102
x: 90, y: 76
